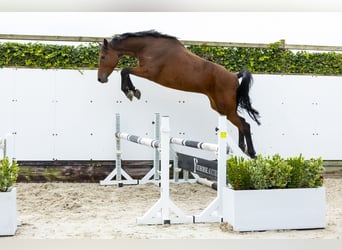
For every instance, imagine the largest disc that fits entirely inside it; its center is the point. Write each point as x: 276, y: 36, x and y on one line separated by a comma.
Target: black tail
x: 243, y: 99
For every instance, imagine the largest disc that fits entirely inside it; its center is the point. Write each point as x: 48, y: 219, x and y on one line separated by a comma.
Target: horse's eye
x: 102, y: 57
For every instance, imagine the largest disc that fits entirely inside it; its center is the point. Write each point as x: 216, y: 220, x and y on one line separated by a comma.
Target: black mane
x: 148, y: 33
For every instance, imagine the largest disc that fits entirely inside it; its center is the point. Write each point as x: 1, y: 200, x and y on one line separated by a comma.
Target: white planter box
x: 8, y: 212
x: 274, y: 209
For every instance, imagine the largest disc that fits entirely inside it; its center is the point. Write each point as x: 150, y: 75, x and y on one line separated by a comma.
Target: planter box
x: 8, y: 212
x: 274, y: 209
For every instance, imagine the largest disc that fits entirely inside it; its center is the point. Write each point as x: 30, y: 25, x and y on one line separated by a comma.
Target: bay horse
x: 163, y: 59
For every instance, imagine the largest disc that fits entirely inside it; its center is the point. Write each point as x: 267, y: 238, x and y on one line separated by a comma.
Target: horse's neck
x: 130, y: 47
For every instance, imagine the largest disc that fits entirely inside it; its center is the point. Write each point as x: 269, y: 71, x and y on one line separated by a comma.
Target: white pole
x: 221, y: 160
x: 118, y: 149
x: 7, y: 147
x: 2, y: 148
x: 165, y: 172
x: 156, y: 159
x: 213, y: 212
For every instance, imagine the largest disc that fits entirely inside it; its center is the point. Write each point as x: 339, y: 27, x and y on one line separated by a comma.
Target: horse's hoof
x: 137, y: 93
x: 243, y: 148
x: 130, y: 95
x: 252, y: 155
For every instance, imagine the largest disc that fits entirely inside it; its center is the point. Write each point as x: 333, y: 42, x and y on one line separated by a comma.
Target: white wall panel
x: 66, y: 115
x: 83, y: 117
x: 7, y: 99
x: 300, y: 114
x: 33, y: 113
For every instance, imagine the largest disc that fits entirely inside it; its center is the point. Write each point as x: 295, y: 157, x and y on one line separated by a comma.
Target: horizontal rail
x: 156, y: 144
x: 139, y: 140
x: 194, y: 144
x: 265, y: 45
x: 51, y: 38
x: 185, y: 42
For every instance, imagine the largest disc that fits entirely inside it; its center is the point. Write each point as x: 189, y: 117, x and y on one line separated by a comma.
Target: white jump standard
x: 213, y: 213
x: 115, y: 177
x: 159, y: 213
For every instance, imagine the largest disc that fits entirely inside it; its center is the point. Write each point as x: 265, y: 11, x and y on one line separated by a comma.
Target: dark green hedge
x: 273, y: 60
x: 46, y: 56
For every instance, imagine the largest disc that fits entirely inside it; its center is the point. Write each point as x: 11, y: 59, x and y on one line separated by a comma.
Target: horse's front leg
x: 127, y: 86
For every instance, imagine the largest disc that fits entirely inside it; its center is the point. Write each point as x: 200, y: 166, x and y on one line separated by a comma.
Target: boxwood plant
x: 8, y: 174
x: 274, y: 172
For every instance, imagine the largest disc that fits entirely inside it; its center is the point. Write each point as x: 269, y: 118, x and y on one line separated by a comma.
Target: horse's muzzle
x: 102, y: 79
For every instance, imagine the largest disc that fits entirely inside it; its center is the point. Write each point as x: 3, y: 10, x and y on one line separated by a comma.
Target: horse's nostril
x: 99, y: 79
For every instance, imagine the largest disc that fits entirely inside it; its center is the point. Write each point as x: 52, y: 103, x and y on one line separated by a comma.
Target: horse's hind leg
x: 242, y: 144
x: 248, y: 136
x: 244, y: 132
x: 127, y: 86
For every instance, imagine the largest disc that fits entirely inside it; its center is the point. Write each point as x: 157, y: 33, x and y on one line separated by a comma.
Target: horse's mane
x: 148, y: 33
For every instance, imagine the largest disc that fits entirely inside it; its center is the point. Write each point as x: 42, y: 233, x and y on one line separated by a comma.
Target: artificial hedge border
x: 271, y: 60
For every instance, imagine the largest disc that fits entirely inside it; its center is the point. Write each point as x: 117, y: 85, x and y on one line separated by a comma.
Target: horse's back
x: 176, y: 67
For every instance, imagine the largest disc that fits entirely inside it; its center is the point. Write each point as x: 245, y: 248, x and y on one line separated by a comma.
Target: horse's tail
x: 243, y: 99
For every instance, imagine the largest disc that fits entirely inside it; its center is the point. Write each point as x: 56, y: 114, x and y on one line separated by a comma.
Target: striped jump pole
x: 194, y: 144
x: 138, y: 140
x: 231, y: 146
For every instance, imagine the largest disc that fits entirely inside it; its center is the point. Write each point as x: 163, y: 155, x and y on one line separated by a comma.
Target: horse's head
x: 108, y: 60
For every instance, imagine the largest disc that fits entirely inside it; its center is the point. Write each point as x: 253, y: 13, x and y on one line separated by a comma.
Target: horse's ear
x: 105, y: 43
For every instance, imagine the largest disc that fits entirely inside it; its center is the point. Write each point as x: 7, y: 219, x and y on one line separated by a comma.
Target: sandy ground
x: 91, y: 211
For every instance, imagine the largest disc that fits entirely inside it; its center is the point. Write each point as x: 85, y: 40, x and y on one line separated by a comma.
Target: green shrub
x: 297, y: 164
x: 8, y: 174
x: 306, y: 173
x: 238, y: 173
x: 274, y: 172
x: 269, y: 172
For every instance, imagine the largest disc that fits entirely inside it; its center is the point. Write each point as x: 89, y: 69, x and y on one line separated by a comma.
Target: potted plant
x: 8, y: 210
x: 272, y: 193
